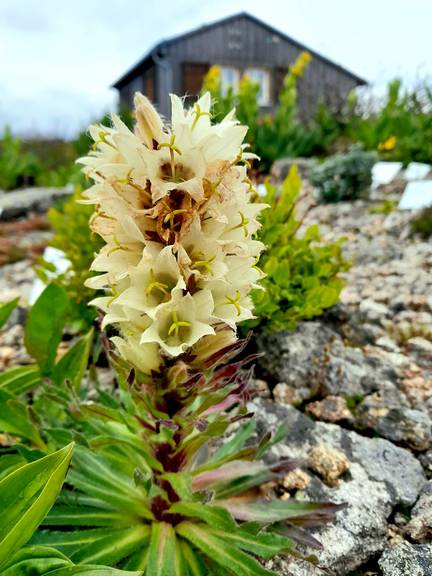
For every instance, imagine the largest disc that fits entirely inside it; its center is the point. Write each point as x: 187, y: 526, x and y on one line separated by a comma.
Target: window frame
x: 266, y: 99
x: 237, y: 75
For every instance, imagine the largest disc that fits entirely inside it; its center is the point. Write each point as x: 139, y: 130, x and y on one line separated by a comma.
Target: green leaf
x: 236, y: 442
x: 44, y: 327
x: 6, y: 310
x: 73, y: 364
x: 212, y: 515
x: 267, y: 442
x: 92, y: 571
x: 20, y: 379
x: 93, y: 474
x: 97, y: 546
x: 26, y: 495
x: 275, y: 511
x: 15, y: 419
x: 162, y: 552
x: 75, y: 515
x: 224, y: 554
x: 9, y: 463
x: 192, y: 559
x: 35, y: 561
x: 263, y: 544
x: 181, y: 482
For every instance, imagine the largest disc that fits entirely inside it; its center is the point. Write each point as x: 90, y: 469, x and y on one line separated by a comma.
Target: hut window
x: 229, y: 79
x: 262, y: 77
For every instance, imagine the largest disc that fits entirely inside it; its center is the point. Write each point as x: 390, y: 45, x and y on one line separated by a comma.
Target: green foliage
x: 6, y: 310
x: 71, y: 367
x: 44, y: 561
x: 400, y: 128
x: 44, y: 327
x: 421, y: 225
x: 45, y: 162
x: 140, y: 496
x: 69, y: 174
x: 384, y: 207
x: 302, y: 273
x: 70, y: 223
x: 26, y: 495
x: 17, y: 168
x: 344, y: 177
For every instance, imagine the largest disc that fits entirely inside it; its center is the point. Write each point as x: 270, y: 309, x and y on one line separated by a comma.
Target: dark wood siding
x: 243, y: 42
x: 193, y: 76
x: 150, y: 84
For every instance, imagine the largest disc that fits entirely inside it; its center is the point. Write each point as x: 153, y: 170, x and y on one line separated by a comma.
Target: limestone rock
x: 420, y: 526
x: 426, y: 461
x: 330, y: 409
x: 373, y: 311
x: 422, y: 350
x: 387, y: 413
x: 19, y: 202
x: 329, y: 463
x: 314, y: 355
x: 406, y: 559
x: 380, y: 477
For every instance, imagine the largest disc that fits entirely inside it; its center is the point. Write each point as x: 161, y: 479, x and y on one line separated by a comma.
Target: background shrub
x: 302, y: 272
x: 344, y: 176
x: 73, y: 236
x: 17, y: 167
x: 422, y: 223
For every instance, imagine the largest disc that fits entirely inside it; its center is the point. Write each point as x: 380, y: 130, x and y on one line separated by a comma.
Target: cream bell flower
x: 181, y: 323
x: 155, y: 281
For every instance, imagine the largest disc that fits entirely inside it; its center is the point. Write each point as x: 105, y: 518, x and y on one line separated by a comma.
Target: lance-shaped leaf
x: 237, y: 477
x: 262, y: 544
x: 86, y: 516
x: 44, y: 327
x: 94, y: 475
x: 20, y: 379
x: 73, y: 364
x: 26, y: 495
x: 228, y: 556
x: 181, y: 483
x: 162, y: 551
x: 268, y: 512
x: 236, y: 442
x: 226, y: 473
x: 97, y: 546
x: 272, y: 439
x: 193, y: 560
x: 9, y: 463
x: 212, y: 515
x: 96, y: 570
x: 35, y: 561
x: 15, y: 419
x: 6, y: 310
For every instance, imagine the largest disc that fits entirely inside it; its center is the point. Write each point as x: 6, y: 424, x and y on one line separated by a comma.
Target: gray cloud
x: 58, y: 59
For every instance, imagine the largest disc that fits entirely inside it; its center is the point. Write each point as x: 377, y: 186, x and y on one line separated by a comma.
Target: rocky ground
x: 355, y: 387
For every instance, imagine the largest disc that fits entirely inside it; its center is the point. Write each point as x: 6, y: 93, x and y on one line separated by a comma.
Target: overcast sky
x: 59, y: 57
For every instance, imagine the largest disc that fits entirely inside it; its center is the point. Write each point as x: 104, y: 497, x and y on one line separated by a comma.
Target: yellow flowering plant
x: 152, y: 488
